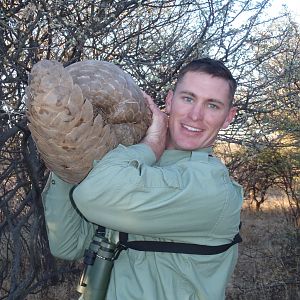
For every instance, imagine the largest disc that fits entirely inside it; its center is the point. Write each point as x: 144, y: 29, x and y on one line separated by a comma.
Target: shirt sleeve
x: 68, y: 232
x: 126, y: 191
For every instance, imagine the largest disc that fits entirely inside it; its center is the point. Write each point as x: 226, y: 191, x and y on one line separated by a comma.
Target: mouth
x: 192, y: 129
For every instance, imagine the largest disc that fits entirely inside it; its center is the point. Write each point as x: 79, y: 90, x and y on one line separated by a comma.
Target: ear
x: 168, y: 101
x: 230, y: 117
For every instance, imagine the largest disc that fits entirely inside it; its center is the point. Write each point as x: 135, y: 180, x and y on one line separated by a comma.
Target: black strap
x: 173, y: 247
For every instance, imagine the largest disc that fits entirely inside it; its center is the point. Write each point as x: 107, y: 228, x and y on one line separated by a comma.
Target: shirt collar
x: 171, y: 156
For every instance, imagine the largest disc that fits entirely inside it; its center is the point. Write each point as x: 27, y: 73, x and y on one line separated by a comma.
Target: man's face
x: 198, y: 109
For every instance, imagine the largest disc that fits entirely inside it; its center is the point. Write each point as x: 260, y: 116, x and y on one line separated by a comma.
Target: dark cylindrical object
x: 96, y: 275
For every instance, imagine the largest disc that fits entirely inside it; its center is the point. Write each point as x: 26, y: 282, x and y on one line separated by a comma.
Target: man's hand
x: 157, y: 132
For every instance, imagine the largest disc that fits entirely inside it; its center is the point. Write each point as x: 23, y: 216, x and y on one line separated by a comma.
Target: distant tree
x: 269, y: 105
x: 258, y: 170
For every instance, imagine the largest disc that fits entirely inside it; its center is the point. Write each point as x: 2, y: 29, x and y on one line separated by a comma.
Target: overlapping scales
x: 77, y: 114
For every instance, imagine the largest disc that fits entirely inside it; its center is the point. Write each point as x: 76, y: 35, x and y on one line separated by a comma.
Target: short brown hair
x: 210, y: 66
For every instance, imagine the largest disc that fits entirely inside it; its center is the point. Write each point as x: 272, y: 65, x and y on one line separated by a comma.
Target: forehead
x: 204, y: 85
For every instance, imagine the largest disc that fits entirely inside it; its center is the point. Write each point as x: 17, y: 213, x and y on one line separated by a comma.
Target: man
x: 168, y: 188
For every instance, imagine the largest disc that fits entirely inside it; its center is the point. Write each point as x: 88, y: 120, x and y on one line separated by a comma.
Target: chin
x: 186, y: 144
x: 188, y: 147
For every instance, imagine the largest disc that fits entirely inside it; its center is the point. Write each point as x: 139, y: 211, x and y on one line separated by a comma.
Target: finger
x: 151, y: 104
x: 148, y: 98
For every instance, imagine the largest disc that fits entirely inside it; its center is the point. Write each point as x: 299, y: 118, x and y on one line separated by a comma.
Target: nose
x: 196, y: 112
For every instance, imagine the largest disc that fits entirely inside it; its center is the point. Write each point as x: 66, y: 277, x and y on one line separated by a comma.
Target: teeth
x: 191, y: 128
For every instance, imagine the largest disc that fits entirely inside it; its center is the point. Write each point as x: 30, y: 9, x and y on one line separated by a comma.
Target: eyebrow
x: 188, y: 93
x: 217, y: 101
x: 195, y: 96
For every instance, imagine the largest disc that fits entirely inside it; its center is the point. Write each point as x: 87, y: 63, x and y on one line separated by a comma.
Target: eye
x: 188, y: 99
x: 213, y: 106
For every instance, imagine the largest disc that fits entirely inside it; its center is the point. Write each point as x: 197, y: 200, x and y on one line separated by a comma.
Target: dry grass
x: 269, y: 262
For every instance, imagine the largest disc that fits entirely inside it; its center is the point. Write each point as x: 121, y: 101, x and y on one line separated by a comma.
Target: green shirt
x: 187, y: 196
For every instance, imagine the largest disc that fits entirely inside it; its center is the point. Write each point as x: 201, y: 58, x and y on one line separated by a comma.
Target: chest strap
x: 173, y: 247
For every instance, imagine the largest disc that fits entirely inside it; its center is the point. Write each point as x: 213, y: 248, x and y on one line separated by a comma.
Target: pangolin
x: 79, y: 113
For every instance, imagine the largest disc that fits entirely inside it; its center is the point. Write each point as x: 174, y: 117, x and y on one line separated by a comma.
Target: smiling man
x: 170, y: 194
x: 198, y: 109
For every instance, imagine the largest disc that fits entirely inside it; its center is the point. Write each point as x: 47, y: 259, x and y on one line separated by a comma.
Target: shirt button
x: 52, y: 181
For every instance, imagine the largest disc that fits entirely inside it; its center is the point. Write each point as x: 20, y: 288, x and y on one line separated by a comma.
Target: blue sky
x: 292, y: 5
